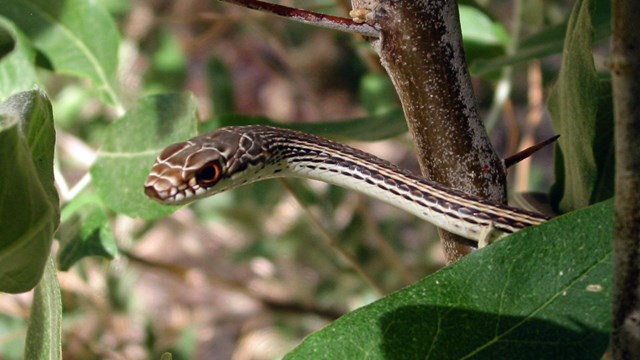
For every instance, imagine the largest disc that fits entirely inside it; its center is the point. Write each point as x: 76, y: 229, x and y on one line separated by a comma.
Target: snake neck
x: 307, y: 156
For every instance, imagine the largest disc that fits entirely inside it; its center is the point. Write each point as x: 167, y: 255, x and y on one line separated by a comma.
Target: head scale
x: 206, y: 165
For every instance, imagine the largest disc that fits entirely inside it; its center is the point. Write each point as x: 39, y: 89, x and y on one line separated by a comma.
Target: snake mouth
x: 160, y: 190
x: 152, y: 193
x: 168, y: 197
x: 164, y: 192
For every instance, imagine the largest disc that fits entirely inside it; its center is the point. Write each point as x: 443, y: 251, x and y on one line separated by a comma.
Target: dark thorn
x: 521, y: 155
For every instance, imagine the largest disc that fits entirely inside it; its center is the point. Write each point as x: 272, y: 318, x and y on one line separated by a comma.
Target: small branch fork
x: 310, y: 17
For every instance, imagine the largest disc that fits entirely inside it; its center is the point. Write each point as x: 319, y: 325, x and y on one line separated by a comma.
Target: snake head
x: 204, y: 166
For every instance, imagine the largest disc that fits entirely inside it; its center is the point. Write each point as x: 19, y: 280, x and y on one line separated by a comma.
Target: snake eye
x: 209, y: 174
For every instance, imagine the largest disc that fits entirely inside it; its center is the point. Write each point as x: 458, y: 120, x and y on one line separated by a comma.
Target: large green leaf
x: 29, y: 210
x: 44, y: 336
x: 85, y: 231
x: 78, y: 37
x: 542, y: 293
x: 132, y: 143
x: 581, y: 112
x: 17, y: 69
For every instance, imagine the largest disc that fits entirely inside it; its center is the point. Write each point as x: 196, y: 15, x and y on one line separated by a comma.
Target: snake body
x: 234, y: 156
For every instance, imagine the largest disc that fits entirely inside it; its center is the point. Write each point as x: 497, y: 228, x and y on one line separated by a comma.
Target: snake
x: 234, y: 156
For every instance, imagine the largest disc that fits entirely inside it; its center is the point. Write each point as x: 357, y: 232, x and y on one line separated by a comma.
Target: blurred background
x: 247, y: 274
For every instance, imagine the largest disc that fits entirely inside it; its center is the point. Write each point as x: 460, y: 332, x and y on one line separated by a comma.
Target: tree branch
x: 420, y: 45
x: 625, y: 66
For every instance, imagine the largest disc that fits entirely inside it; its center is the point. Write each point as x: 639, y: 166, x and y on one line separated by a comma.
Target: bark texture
x: 626, y: 87
x: 420, y: 46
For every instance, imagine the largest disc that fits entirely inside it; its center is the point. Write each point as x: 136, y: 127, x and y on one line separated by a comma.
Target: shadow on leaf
x: 420, y: 332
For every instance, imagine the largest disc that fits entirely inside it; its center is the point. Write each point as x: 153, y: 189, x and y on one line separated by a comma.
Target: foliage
x: 30, y: 212
x: 549, y: 285
x: 588, y: 124
x: 132, y: 143
x: 503, y: 308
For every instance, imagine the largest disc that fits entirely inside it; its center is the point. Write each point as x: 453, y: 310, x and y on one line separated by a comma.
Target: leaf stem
x: 386, y: 249
x: 79, y: 187
x: 504, y: 86
x: 329, y: 239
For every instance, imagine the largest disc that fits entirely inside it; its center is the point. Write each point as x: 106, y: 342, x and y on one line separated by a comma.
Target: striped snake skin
x: 234, y: 156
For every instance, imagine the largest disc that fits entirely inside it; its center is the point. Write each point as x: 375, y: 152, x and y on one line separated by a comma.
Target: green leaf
x: 132, y: 143
x: 29, y: 212
x: 581, y: 112
x: 479, y: 28
x: 78, y: 37
x: 483, y: 37
x: 545, y: 43
x: 17, y: 70
x: 44, y: 336
x: 12, y: 326
x: 541, y: 293
x: 377, y: 94
x: 549, y: 41
x: 220, y: 86
x: 371, y: 128
x: 85, y: 231
x: 168, y: 67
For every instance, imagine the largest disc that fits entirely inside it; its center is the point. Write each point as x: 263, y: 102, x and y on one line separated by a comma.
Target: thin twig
x: 310, y: 17
x: 328, y: 238
x: 386, y: 250
x: 511, y: 127
x: 504, y: 86
x: 80, y: 153
x: 61, y: 182
x: 232, y: 285
x: 82, y: 184
x: 533, y: 120
x: 500, y: 96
